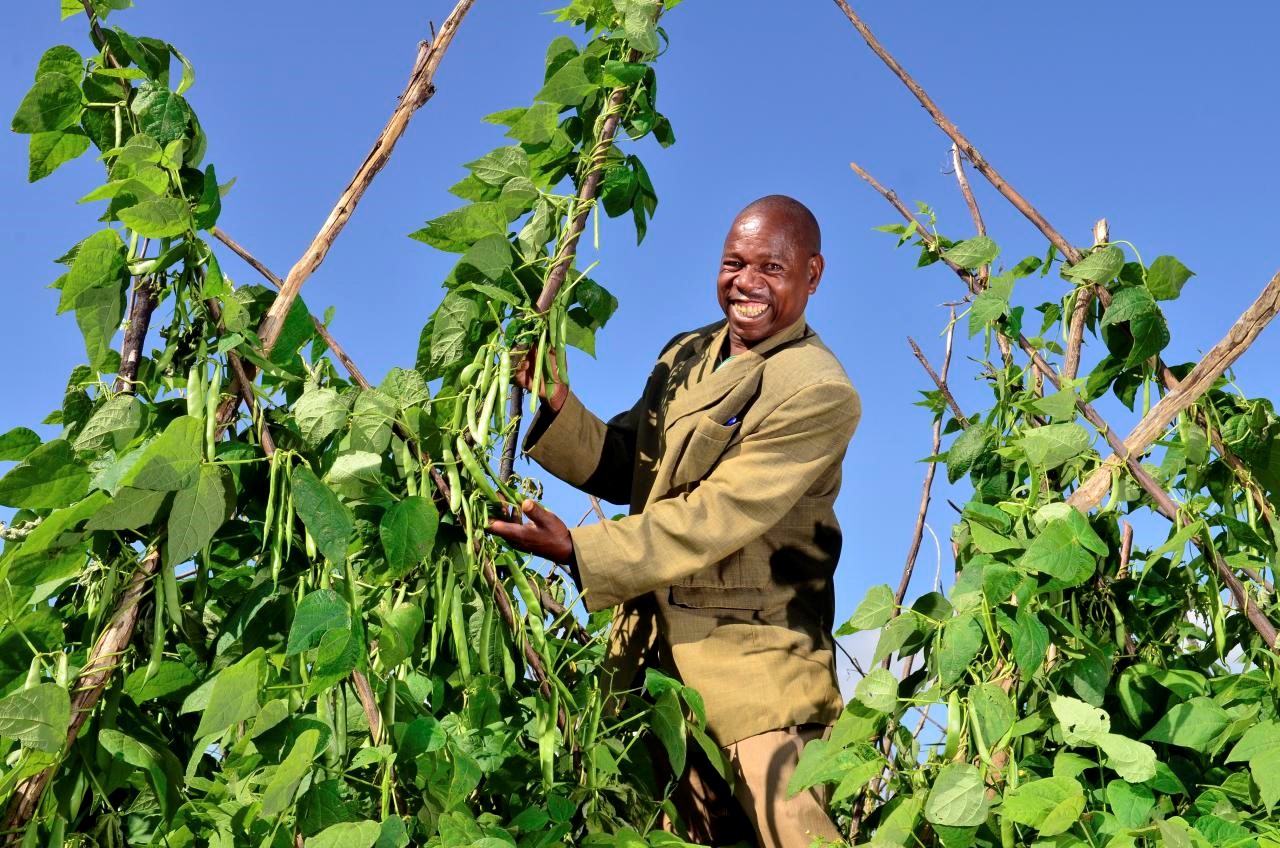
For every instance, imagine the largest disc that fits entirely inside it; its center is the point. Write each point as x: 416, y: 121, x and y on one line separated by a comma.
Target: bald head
x: 771, y: 264
x: 791, y: 214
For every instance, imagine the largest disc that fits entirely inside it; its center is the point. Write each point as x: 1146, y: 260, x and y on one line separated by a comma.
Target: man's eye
x: 773, y: 267
x: 730, y: 263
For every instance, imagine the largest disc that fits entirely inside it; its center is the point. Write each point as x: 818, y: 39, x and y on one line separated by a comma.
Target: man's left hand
x: 543, y: 534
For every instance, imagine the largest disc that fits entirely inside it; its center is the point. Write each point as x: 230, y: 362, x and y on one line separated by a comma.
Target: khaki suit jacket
x: 727, y: 557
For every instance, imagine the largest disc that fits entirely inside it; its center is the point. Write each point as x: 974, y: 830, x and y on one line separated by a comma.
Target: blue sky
x: 1154, y: 117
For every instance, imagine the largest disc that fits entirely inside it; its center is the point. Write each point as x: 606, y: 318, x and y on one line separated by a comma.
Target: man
x: 722, y: 573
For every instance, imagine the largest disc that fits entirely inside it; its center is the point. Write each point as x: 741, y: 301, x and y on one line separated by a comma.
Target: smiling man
x: 722, y: 573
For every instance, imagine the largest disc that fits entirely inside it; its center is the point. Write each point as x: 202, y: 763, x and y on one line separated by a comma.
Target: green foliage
x: 328, y: 649
x: 1092, y: 695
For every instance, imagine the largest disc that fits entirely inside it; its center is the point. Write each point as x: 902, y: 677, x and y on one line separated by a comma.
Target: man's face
x: 766, y: 277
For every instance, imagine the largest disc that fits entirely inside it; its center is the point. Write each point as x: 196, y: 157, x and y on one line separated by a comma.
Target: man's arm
x: 585, y: 452
x: 742, y: 497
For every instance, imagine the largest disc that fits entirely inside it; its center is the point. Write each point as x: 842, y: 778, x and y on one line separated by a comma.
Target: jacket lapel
x: 707, y: 386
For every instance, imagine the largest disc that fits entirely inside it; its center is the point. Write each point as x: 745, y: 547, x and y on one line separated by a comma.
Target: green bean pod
x: 157, y: 642
x: 955, y: 726
x: 63, y: 674
x: 473, y: 419
x: 486, y: 414
x: 273, y: 478
x: 486, y: 640
x: 195, y: 393
x: 459, y: 626
x: 472, y: 465
x: 212, y: 396
x: 34, y: 672
x: 450, y: 463
x: 171, y: 600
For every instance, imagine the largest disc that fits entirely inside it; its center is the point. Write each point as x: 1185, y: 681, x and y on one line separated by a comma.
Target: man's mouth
x: 748, y: 308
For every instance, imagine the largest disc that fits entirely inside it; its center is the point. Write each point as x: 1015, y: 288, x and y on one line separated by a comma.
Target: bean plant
x: 1093, y: 677
x: 248, y: 599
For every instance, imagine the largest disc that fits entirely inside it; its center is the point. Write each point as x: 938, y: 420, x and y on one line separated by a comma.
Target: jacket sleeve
x: 589, y: 454
x: 739, y: 500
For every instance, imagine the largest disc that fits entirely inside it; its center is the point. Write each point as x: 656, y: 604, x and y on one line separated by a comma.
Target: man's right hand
x: 523, y: 371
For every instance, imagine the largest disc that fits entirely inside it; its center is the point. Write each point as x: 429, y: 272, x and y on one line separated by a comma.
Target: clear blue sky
x: 1155, y: 116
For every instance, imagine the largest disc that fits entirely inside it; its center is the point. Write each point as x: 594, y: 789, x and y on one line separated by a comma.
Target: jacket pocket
x: 707, y: 597
x: 706, y: 444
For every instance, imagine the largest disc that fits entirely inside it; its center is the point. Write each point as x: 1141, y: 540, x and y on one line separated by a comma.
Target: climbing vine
x: 247, y: 598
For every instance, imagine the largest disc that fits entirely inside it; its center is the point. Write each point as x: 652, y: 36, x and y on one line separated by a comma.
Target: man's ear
x: 816, y: 266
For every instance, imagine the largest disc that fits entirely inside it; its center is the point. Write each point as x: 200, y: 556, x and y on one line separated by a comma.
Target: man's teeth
x: 749, y: 310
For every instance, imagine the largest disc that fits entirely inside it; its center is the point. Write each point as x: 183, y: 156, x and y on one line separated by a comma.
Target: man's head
x: 772, y: 262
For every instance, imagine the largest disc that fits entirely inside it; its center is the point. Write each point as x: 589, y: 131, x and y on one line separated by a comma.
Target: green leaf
x: 17, y: 444
x: 158, y: 217
x: 37, y: 717
x: 113, y: 426
x: 1166, y: 277
x: 48, y: 150
x: 1049, y: 446
x: 1261, y: 740
x: 961, y: 639
x: 568, y: 86
x: 1063, y: 550
x: 346, y: 835
x: 234, y: 696
x: 198, y: 512
x: 1082, y: 724
x: 491, y: 256
x: 1134, y: 761
x: 873, y: 612
x: 320, y: 611
x: 878, y: 690
x: 499, y: 166
x: 449, y: 331
x: 639, y: 23
x: 1101, y: 266
x: 989, y: 305
x: 53, y: 103
x: 1051, y: 805
x: 325, y: 517
x: 61, y: 59
x: 130, y: 509
x: 667, y: 722
x: 458, y: 230
x: 1131, y: 804
x: 958, y: 797
x: 536, y: 125
x: 623, y: 73
x: 994, y: 710
x: 320, y: 413
x: 1197, y: 724
x: 408, y: 532
x: 827, y: 761
x: 1135, y: 306
x: 168, y: 678
x: 893, y: 636
x: 172, y: 460
x: 1060, y: 406
x: 162, y: 767
x: 972, y: 253
x: 99, y: 263
x: 279, y: 792
x: 967, y: 449
x: 98, y: 315
x: 162, y: 114
x: 49, y: 478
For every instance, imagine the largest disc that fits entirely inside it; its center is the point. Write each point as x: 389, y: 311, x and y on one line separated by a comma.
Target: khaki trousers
x: 758, y: 809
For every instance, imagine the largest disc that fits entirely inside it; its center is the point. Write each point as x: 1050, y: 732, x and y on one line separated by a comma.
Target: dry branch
x: 92, y: 682
x: 1080, y: 312
x: 144, y: 303
x: 941, y: 380
x: 1200, y: 380
x: 321, y: 330
x: 966, y: 147
x: 417, y: 92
